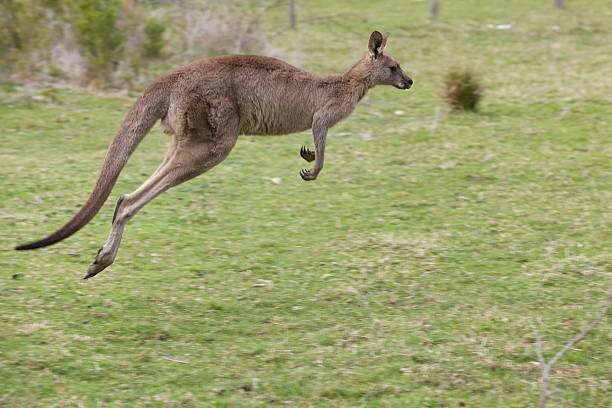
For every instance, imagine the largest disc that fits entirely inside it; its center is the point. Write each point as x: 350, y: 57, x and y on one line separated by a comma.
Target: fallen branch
x: 545, y: 393
x: 176, y: 360
x: 436, y: 117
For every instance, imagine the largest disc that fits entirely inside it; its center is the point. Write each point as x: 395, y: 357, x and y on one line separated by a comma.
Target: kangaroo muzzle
x: 406, y: 83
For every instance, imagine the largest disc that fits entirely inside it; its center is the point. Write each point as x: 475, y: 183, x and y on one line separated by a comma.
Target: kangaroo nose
x: 410, y: 81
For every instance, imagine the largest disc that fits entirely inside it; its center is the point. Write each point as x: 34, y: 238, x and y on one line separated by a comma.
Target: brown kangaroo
x: 205, y: 105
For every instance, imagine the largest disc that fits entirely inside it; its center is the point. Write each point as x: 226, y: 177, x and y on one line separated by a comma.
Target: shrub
x: 154, y: 37
x: 95, y: 26
x: 462, y: 89
x: 26, y: 28
x: 130, y: 58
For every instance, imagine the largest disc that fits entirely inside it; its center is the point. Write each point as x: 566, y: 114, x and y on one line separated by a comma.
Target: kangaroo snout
x: 406, y: 83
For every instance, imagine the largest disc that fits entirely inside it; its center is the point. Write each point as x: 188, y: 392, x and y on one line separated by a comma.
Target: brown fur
x: 205, y: 105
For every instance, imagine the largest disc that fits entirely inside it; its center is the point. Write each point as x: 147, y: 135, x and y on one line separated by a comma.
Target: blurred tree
x: 104, y: 42
x: 560, y: 4
x: 95, y: 26
x: 154, y: 41
x: 10, y: 35
x: 433, y: 8
x: 129, y: 56
x: 25, y: 33
x: 292, y: 19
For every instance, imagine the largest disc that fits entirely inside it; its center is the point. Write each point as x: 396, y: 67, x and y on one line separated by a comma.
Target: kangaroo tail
x: 152, y: 105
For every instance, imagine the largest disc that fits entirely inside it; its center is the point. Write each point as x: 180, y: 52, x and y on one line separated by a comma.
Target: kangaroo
x: 204, y: 106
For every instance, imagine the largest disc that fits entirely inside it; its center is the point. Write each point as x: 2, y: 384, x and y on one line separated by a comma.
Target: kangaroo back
x: 150, y: 106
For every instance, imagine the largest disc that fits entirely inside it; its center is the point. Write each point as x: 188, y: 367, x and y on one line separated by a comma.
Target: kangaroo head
x: 382, y: 68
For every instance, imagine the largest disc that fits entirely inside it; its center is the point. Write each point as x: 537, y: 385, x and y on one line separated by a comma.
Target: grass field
x: 412, y: 273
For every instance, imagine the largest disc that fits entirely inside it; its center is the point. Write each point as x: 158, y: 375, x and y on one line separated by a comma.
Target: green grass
x: 413, y: 273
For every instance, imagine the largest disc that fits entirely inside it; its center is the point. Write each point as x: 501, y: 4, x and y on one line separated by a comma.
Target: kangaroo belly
x: 280, y: 102
x: 276, y: 120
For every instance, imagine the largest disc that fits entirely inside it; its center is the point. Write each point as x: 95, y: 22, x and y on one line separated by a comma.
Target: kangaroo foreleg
x: 319, y: 132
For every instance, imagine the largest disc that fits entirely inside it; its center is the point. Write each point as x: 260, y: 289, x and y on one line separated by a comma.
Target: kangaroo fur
x: 204, y: 106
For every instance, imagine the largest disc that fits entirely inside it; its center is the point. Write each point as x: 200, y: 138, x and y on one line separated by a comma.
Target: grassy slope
x: 411, y: 274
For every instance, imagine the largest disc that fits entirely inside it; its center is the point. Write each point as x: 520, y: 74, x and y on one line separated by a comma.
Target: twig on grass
x: 436, y: 117
x: 545, y: 393
x: 176, y: 360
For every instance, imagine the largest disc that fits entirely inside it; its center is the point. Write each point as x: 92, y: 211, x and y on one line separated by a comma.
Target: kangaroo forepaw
x: 307, y: 175
x: 307, y: 154
x: 102, y: 261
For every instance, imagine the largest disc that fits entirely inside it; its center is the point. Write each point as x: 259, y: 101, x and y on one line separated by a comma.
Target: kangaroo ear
x: 375, y: 45
x: 384, y: 42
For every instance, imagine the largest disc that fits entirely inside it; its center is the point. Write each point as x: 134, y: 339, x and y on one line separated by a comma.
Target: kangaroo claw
x: 307, y: 154
x: 101, y: 262
x: 307, y: 175
x: 93, y: 270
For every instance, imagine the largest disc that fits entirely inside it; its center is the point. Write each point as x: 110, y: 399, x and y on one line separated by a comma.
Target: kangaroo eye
x: 393, y: 69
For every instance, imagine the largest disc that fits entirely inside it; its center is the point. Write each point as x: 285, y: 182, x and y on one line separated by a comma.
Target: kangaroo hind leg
x: 189, y: 158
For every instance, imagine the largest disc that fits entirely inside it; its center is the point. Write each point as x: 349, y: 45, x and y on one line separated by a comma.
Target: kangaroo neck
x: 346, y: 88
x: 358, y: 79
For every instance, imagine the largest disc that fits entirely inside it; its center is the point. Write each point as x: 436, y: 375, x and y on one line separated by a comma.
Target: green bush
x: 462, y: 89
x: 5, y: 47
x: 26, y: 29
x: 96, y: 30
x: 154, y: 37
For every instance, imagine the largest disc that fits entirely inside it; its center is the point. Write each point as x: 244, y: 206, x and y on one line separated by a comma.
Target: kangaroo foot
x: 103, y: 260
x: 307, y: 175
x: 307, y: 154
